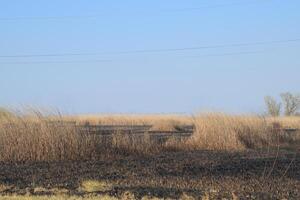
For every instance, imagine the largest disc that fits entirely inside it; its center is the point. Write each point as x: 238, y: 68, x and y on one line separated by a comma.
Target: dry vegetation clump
x: 225, y: 132
x: 95, y: 186
x: 287, y: 122
x: 36, y: 138
x: 126, y: 144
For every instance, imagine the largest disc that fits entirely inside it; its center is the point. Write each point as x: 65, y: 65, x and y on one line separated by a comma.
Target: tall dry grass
x: 160, y: 122
x: 34, y: 137
x: 23, y: 139
x: 227, y: 132
x: 222, y: 132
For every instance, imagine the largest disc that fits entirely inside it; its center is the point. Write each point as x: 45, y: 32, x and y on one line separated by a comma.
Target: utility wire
x: 229, y: 54
x: 206, y: 47
x: 221, y: 5
x: 47, y: 55
x: 145, y: 51
x: 100, y: 61
x: 54, y: 62
x: 48, y: 18
x: 70, y: 17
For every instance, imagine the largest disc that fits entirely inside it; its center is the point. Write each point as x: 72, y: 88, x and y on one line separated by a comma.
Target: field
x: 229, y: 157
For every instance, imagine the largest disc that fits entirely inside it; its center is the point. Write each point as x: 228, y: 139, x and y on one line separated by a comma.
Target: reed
x: 35, y: 137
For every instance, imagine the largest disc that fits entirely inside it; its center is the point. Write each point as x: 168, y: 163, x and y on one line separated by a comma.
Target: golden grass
x: 223, y: 132
x: 23, y: 139
x: 34, y: 138
x: 95, y: 186
x: 170, y: 122
x: 226, y: 132
x: 160, y: 122
x: 288, y: 122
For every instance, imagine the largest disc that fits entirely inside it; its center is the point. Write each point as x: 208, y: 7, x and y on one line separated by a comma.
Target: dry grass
x: 159, y: 122
x: 95, y: 186
x: 222, y: 132
x: 23, y: 139
x: 226, y: 132
x: 34, y: 138
x: 288, y: 122
x: 171, y: 122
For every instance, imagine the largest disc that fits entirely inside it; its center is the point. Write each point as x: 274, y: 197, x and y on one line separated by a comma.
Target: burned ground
x: 248, y: 174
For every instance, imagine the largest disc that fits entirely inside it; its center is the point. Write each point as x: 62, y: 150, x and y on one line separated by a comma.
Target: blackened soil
x: 246, y: 175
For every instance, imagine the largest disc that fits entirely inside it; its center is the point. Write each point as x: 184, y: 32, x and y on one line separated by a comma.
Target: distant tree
x: 273, y: 108
x: 291, y: 103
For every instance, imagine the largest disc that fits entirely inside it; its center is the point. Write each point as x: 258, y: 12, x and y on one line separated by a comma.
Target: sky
x: 155, y: 56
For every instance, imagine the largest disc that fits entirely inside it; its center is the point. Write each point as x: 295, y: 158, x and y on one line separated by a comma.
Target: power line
x: 229, y: 54
x: 145, y: 51
x: 100, y: 61
x: 48, y: 55
x: 69, y: 17
x: 55, y: 62
x: 221, y: 5
x: 48, y: 18
x: 206, y: 47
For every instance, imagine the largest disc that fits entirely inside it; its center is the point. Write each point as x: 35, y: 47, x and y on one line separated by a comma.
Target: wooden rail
x: 138, y: 131
x: 288, y: 130
x: 133, y: 130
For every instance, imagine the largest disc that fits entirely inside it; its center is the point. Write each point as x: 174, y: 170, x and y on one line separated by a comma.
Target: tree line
x: 289, y: 105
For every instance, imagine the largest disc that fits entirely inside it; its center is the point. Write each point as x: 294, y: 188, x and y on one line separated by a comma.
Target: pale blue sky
x: 114, y: 69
